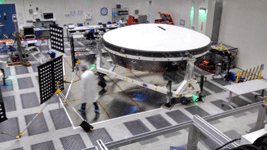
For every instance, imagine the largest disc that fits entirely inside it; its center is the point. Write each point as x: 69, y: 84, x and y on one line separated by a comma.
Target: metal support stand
x: 260, y: 119
x: 229, y: 101
x: 169, y: 94
x: 192, y: 138
x: 201, y: 125
x: 200, y: 98
x: 19, y: 50
x: 261, y: 95
x: 17, y: 37
x: 187, y: 88
x: 189, y: 85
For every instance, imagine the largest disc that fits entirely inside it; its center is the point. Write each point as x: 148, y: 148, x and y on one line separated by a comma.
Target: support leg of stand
x: 229, y: 101
x: 260, y: 119
x: 192, y: 138
x: 262, y: 92
x: 261, y: 95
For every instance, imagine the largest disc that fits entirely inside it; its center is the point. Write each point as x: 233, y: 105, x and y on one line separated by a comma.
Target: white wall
x: 179, y: 9
x: 210, y: 16
x: 244, y: 25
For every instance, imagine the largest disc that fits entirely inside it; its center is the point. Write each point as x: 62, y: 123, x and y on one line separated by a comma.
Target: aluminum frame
x: 180, y: 126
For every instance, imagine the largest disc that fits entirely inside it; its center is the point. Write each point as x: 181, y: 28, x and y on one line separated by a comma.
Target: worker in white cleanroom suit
x: 88, y: 89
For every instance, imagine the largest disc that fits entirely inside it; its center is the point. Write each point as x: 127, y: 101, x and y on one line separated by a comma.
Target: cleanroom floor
x: 125, y: 110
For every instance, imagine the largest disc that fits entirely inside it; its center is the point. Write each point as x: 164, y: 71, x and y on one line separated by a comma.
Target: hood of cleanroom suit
x: 89, y: 87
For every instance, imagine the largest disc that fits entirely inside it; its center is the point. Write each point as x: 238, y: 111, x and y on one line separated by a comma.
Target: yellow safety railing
x: 250, y: 74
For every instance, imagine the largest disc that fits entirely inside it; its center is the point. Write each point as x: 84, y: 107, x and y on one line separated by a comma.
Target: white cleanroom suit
x: 89, y: 87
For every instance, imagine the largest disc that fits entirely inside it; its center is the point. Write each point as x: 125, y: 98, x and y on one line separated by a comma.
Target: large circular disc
x: 157, y: 38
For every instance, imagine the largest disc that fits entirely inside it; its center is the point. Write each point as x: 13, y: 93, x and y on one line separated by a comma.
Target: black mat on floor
x: 218, y: 103
x: 25, y: 83
x: 251, y: 97
x: 221, y: 82
x: 10, y: 104
x: 205, y: 93
x: 11, y: 127
x: 29, y: 100
x: 38, y: 126
x: 99, y: 134
x: 239, y: 101
x: 49, y: 145
x: 158, y: 121
x: 212, y: 87
x: 60, y: 119
x: 72, y: 142
x: 21, y: 70
x: 178, y: 116
x: 196, y: 110
x: 136, y: 127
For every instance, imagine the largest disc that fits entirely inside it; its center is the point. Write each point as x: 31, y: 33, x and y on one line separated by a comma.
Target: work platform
x: 53, y: 130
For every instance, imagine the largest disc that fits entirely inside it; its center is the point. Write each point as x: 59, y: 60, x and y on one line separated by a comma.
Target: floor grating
x: 25, y: 83
x: 21, y: 70
x: 10, y: 127
x: 99, y: 134
x: 158, y: 121
x: 178, y: 116
x: 29, y: 100
x: 60, y: 119
x: 38, y: 126
x: 219, y: 103
x: 49, y: 145
x: 196, y: 110
x: 212, y: 87
x: 136, y: 127
x: 72, y: 142
x: 10, y: 104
